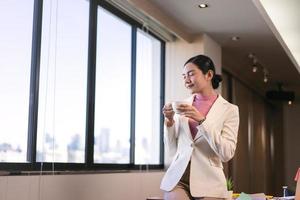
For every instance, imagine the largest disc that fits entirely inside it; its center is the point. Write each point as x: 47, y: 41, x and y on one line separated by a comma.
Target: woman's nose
x: 187, y: 80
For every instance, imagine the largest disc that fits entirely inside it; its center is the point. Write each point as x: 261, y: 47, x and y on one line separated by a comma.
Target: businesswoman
x: 200, y: 136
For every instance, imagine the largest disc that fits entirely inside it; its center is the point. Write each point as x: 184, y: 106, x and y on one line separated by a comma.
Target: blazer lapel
x: 217, y: 109
x: 215, y: 112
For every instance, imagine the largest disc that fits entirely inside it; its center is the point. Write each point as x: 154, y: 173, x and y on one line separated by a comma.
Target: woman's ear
x: 209, y: 75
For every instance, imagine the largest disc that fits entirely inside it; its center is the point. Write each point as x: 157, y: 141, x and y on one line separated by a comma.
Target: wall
x: 291, y: 141
x: 117, y: 186
x: 214, y: 51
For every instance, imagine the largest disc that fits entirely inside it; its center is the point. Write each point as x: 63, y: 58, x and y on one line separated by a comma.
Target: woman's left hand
x: 190, y: 112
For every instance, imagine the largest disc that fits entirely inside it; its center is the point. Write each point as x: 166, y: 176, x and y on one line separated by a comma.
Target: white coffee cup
x: 175, y: 105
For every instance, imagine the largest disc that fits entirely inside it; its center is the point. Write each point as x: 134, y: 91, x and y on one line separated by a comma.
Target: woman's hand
x: 169, y: 114
x: 190, y: 112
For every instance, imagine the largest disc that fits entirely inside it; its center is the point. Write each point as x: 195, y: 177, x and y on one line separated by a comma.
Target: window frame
x: 88, y: 165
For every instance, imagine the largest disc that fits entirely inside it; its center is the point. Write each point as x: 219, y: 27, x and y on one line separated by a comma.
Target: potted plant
x: 229, y: 184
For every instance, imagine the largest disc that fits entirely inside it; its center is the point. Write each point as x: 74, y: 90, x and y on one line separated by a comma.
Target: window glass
x: 16, y: 19
x: 113, y: 90
x: 63, y: 81
x: 147, y: 122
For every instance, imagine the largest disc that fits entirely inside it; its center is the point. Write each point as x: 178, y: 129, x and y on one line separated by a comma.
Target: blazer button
x: 192, y: 145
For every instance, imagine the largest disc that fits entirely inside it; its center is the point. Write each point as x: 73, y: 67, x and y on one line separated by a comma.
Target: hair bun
x: 216, y: 80
x: 218, y: 77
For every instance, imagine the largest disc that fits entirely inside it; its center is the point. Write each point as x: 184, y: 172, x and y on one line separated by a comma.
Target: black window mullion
x: 34, y: 81
x: 91, y: 80
x: 133, y: 93
x: 162, y: 100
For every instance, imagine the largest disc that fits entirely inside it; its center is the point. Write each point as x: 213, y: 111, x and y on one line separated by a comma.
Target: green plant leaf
x: 229, y: 184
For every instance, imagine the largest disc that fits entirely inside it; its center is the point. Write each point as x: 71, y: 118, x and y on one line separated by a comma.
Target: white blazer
x: 214, y: 143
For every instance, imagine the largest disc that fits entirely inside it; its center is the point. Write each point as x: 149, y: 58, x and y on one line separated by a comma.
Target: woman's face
x: 194, y: 79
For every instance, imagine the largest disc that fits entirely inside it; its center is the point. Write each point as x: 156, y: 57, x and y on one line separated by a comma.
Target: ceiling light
x: 254, y: 68
x: 235, y: 38
x: 250, y: 55
x: 290, y: 102
x: 202, y: 5
x: 265, y: 75
x: 254, y: 65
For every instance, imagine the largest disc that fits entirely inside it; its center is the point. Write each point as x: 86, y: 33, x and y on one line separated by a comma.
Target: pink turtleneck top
x: 203, y: 105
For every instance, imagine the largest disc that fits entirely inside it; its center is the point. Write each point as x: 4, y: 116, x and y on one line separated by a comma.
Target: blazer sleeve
x: 170, y: 137
x: 223, y: 142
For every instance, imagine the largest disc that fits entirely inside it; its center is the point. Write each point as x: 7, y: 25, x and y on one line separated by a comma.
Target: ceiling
x: 224, y: 19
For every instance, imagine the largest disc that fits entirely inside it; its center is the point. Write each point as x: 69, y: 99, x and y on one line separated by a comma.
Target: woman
x: 201, y: 137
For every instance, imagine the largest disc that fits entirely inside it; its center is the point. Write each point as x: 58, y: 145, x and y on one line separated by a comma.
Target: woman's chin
x: 192, y: 91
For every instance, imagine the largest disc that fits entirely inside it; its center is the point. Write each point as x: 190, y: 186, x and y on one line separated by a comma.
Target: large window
x: 63, y: 69
x: 113, y: 81
x: 15, y: 46
x: 147, y: 145
x: 81, y: 87
x: 127, y: 93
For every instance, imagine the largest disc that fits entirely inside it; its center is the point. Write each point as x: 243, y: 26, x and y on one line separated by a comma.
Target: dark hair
x: 204, y: 63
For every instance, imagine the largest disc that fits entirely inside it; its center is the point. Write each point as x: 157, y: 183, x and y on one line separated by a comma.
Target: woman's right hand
x: 169, y: 114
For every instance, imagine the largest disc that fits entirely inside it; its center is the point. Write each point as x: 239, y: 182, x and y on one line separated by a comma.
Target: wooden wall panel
x: 275, y: 124
x: 259, y: 146
x: 241, y: 170
x: 258, y: 164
